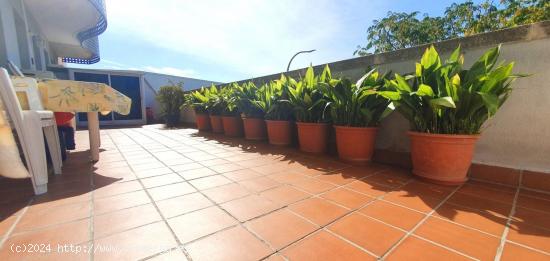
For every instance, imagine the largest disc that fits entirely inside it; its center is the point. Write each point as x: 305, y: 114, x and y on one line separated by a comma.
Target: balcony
x: 179, y: 194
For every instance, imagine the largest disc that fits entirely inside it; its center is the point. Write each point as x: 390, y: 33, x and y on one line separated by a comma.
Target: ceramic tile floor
x: 175, y: 194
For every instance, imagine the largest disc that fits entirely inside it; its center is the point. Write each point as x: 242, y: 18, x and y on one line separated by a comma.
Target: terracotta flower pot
x: 216, y: 123
x: 232, y: 126
x: 355, y: 144
x: 254, y: 129
x: 203, y: 122
x: 279, y: 132
x: 312, y: 136
x: 440, y: 158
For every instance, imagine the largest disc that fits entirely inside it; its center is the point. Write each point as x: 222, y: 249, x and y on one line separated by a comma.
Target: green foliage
x: 228, y: 100
x: 307, y: 97
x: 250, y: 100
x: 403, y: 30
x: 198, y: 100
x: 358, y: 105
x: 171, y: 98
x: 447, y: 99
x: 275, y: 95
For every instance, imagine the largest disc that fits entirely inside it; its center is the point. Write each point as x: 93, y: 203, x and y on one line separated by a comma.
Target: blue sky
x: 225, y: 41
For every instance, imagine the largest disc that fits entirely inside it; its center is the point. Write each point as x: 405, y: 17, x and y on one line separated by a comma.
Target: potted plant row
x: 445, y: 104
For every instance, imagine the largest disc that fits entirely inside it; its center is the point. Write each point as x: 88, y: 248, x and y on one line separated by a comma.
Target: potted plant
x: 278, y: 114
x: 251, y: 103
x: 215, y: 108
x: 198, y: 100
x: 308, y: 103
x: 356, y: 111
x: 232, y: 122
x: 171, y: 98
x: 446, y: 106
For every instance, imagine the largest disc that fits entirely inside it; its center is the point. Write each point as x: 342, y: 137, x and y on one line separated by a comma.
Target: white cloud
x: 170, y: 71
x: 250, y: 37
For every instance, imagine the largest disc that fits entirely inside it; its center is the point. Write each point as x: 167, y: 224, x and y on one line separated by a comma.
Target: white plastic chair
x: 29, y: 125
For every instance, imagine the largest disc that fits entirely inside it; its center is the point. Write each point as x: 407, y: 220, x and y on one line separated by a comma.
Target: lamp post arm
x: 294, y: 56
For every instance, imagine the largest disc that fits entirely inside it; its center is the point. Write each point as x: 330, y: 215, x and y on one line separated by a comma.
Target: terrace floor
x: 176, y: 194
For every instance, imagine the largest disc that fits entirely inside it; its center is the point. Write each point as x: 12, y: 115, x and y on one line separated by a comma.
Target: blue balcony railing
x: 89, y: 38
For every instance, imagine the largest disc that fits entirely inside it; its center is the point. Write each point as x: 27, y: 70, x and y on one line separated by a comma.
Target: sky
x: 231, y: 40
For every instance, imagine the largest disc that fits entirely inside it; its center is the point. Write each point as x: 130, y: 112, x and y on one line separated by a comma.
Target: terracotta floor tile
x: 489, y: 191
x: 161, y: 180
x: 347, y: 198
x: 336, y: 178
x: 153, y: 172
x: 226, y: 193
x: 187, y: 166
x: 223, y: 168
x: 392, y: 214
x: 143, y: 167
x: 49, y: 237
x: 127, y: 200
x: 422, y: 204
x: 131, y: 245
x: 175, y: 254
x: 116, y: 188
x: 417, y: 249
x: 534, y: 194
x: 285, y: 195
x: 535, y: 237
x: 369, y: 188
x: 196, y: 173
x: 275, y: 257
x: 200, y: 223
x: 318, y: 211
x: 117, y: 221
x: 287, y: 177
x: 210, y: 182
x: 182, y: 204
x: 177, y: 161
x: 486, y: 205
x: 249, y: 207
x: 213, y: 162
x: 281, y: 228
x: 534, y: 203
x: 484, y: 221
x: 170, y: 191
x: 325, y: 246
x: 6, y: 223
x: 232, y: 244
x: 259, y: 184
x: 370, y: 234
x: 388, y: 178
x: 242, y: 174
x: 313, y: 186
x: 41, y: 217
x: 477, y: 245
x: 423, y: 189
x: 514, y: 252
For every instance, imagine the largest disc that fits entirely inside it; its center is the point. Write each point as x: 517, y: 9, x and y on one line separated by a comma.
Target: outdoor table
x: 89, y: 97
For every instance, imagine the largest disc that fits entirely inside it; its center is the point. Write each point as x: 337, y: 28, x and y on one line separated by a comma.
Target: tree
x: 403, y: 30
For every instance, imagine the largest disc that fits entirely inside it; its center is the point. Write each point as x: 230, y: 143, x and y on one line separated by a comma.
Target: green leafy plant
x: 251, y: 100
x: 275, y: 93
x: 198, y: 100
x: 171, y: 98
x: 447, y: 99
x: 228, y: 100
x: 358, y: 105
x: 307, y: 98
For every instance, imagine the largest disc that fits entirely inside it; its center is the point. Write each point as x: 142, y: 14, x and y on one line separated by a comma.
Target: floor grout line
x: 9, y: 232
x: 501, y: 246
x: 391, y: 249
x: 162, y: 216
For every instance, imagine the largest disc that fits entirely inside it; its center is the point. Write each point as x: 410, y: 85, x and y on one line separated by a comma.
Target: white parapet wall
x: 518, y: 136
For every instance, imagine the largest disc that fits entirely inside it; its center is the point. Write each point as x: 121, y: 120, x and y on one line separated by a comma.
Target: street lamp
x: 288, y: 67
